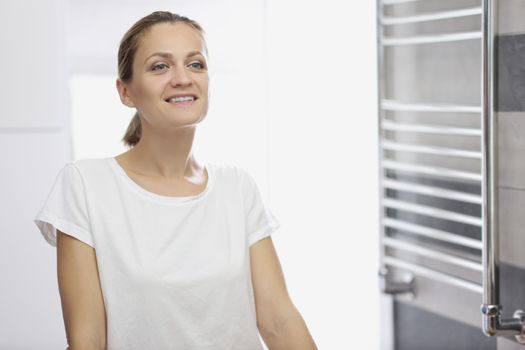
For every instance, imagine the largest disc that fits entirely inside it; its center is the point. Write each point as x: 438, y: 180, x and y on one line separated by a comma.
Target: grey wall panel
x: 451, y: 302
x: 510, y: 80
x: 508, y: 344
x: 444, y: 26
x: 462, y: 120
x: 511, y: 16
x: 417, y: 329
x: 510, y: 107
x: 512, y: 227
x: 432, y: 68
x: 512, y: 149
x: 512, y: 290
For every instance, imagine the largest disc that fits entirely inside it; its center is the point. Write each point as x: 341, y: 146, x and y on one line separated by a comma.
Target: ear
x: 123, y: 92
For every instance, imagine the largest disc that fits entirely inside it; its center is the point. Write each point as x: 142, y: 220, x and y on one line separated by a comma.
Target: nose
x: 180, y: 76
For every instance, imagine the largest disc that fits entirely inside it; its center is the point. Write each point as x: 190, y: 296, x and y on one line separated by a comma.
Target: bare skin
x: 191, y: 185
x: 80, y: 293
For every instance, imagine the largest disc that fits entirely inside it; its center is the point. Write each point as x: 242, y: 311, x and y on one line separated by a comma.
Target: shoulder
x: 90, y: 166
x: 89, y: 163
x: 80, y: 170
x: 227, y: 170
x: 231, y: 172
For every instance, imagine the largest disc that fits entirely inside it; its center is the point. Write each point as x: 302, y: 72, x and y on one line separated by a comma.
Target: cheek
x: 204, y: 82
x: 149, y: 87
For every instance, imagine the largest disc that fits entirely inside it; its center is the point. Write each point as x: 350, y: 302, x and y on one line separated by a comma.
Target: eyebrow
x: 170, y: 56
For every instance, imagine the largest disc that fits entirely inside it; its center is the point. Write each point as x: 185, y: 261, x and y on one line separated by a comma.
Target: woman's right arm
x: 80, y: 294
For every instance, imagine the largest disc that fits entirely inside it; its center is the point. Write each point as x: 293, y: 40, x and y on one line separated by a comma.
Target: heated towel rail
x: 434, y: 215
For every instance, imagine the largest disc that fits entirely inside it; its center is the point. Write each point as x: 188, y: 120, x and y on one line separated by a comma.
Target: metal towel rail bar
x: 493, y: 323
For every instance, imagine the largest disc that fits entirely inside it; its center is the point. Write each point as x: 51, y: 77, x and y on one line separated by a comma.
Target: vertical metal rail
x: 380, y: 92
x: 387, y: 284
x: 383, y: 272
x: 493, y: 324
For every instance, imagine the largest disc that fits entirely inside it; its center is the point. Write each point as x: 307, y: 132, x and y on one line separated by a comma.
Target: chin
x: 186, y: 121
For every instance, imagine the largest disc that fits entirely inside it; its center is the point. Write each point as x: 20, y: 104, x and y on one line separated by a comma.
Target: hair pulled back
x: 126, y: 55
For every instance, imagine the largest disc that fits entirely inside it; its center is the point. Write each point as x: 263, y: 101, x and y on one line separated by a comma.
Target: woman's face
x: 170, y: 79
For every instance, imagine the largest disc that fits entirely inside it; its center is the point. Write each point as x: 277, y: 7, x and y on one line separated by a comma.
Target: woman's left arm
x: 279, y: 322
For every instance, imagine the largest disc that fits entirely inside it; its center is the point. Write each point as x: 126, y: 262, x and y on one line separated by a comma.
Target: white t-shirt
x: 174, y: 271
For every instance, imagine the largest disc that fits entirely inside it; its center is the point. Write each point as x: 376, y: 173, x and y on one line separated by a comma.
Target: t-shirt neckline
x: 158, y: 197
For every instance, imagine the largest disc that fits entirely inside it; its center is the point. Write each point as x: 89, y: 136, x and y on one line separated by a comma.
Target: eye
x: 196, y: 65
x: 159, y: 66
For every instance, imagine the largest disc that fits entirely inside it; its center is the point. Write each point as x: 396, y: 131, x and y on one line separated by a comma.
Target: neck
x: 165, y: 155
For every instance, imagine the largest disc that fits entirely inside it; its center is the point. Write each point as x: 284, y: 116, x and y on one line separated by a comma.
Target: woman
x: 157, y: 251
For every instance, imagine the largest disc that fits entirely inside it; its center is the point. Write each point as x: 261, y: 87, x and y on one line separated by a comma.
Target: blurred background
x: 293, y: 101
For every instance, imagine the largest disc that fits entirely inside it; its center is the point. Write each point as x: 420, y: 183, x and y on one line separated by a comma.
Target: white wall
x: 34, y: 145
x: 323, y: 161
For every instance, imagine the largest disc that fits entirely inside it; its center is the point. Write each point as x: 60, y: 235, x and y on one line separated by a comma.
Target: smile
x: 179, y: 99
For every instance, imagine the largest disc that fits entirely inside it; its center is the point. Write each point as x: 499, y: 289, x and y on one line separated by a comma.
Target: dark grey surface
x: 512, y: 290
x: 510, y: 73
x: 417, y: 329
x: 512, y: 226
x: 511, y: 142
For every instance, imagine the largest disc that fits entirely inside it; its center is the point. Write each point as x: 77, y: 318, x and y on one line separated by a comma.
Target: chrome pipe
x: 430, y: 129
x: 380, y: 133
x: 490, y: 254
x: 392, y: 105
x: 431, y: 191
x: 433, y: 274
x: 431, y: 211
x: 431, y: 170
x: 430, y: 149
x: 390, y: 21
x: 395, y: 2
x: 492, y: 321
x: 429, y: 39
x: 433, y: 254
x: 440, y: 235
x: 387, y: 283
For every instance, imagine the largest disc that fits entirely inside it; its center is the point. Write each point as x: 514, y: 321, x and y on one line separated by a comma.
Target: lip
x: 195, y: 97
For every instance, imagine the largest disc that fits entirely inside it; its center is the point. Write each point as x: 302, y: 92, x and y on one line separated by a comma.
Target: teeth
x: 180, y: 99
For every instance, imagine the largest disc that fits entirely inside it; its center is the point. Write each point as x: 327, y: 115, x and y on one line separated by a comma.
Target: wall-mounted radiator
x: 439, y: 168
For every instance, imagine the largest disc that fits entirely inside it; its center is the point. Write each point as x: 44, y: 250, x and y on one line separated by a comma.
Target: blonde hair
x: 126, y: 54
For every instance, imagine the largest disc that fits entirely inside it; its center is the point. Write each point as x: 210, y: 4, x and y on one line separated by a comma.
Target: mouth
x: 181, y: 99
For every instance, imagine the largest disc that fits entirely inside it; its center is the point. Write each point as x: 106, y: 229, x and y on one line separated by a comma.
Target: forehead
x: 177, y: 38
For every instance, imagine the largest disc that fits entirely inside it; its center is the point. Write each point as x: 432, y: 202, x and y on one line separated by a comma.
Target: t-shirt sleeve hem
x: 49, y: 223
x: 263, y: 232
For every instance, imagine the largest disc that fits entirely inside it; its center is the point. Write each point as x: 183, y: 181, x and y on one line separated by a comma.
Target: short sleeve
x: 260, y: 221
x: 66, y: 208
